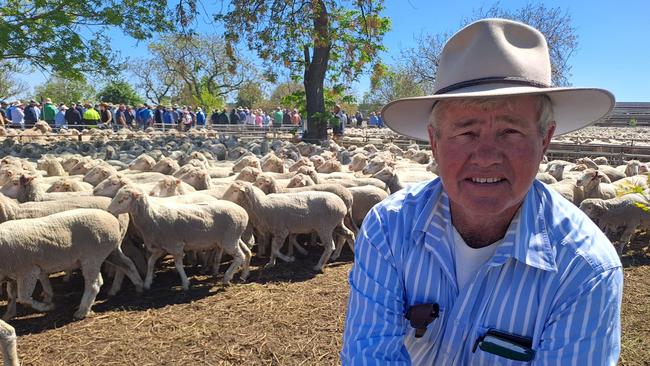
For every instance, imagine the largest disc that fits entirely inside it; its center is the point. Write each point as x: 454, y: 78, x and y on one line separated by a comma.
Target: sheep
x: 28, y: 189
x: 109, y: 186
x: 354, y: 181
x: 248, y: 174
x: 546, y: 178
x: 63, y: 241
x: 376, y: 164
x: 613, y: 173
x: 246, y: 161
x: 620, y: 212
x: 175, y: 228
x: 601, y: 160
x: 303, y: 161
x: 143, y: 163
x: 166, y: 166
x: 98, y: 173
x: 300, y: 180
x: 273, y: 164
x: 632, y: 168
x: 330, y: 166
x: 359, y: 161
x: 170, y: 186
x: 69, y: 185
x: 364, y: 198
x: 198, y: 178
x: 593, y: 185
x: 282, y: 215
x: 8, y: 344
x: 51, y: 166
x: 569, y: 190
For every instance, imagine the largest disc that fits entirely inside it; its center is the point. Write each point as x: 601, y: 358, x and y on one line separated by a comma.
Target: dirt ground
x: 288, y: 315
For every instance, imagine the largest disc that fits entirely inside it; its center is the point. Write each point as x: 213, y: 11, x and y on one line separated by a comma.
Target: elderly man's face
x: 488, y: 157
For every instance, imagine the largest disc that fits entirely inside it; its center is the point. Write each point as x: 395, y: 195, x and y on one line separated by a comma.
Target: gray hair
x: 544, y: 108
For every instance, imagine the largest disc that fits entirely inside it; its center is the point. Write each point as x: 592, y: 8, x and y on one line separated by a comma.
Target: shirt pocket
x: 480, y: 357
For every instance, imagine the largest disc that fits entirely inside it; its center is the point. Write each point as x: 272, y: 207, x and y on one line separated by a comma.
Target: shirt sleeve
x: 585, y: 327
x: 375, y: 324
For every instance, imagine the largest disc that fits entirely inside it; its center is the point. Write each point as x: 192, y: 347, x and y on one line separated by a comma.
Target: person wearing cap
x: 49, y: 112
x: 59, y: 119
x: 485, y: 265
x: 31, y: 114
x: 18, y: 115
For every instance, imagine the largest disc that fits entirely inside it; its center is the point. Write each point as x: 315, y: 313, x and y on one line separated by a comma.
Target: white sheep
x: 61, y: 242
x: 69, y: 185
x: 51, y: 166
x: 624, y: 212
x: 8, y: 344
x: 596, y: 184
x: 283, y: 214
x: 143, y: 163
x: 98, y: 173
x: 173, y: 228
x: 329, y: 166
x: 166, y: 165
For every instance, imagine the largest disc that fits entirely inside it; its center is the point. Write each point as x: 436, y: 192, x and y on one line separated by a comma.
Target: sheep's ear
x: 135, y: 195
x: 178, y: 182
x: 24, y: 179
x: 104, y: 173
x: 66, y: 185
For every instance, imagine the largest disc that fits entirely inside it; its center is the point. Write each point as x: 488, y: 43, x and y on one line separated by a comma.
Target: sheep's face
x: 300, y: 180
x: 385, y: 174
x: 109, y: 187
x: 124, y: 201
x: 11, y: 188
x: 235, y: 192
x: 166, y: 188
x: 248, y: 175
x: 591, y: 208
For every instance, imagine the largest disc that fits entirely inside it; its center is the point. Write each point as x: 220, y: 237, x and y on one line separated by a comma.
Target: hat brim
x: 573, y: 108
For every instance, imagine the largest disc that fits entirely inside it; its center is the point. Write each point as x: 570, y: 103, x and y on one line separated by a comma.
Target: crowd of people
x: 117, y: 116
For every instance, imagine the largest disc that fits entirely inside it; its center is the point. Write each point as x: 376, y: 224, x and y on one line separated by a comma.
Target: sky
x: 613, y: 39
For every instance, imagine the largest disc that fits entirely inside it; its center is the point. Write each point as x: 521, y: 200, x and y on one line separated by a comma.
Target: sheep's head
x: 300, y: 180
x: 235, y: 192
x: 125, y: 201
x: 632, y: 168
x: 265, y: 183
x: 109, y: 186
x: 248, y: 174
x: 592, y: 207
x: 166, y: 187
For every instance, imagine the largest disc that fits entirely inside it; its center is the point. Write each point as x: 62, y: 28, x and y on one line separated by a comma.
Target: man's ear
x: 547, y: 137
x: 432, y: 139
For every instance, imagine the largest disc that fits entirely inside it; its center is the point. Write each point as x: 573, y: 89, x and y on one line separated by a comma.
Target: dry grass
x: 284, y: 316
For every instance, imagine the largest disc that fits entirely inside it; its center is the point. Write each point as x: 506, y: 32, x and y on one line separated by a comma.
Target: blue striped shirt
x: 555, y: 278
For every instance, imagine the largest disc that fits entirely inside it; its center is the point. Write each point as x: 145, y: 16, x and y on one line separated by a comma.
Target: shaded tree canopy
x: 310, y: 38
x: 64, y: 90
x: 554, y: 23
x: 398, y: 82
x: 68, y: 37
x: 119, y: 92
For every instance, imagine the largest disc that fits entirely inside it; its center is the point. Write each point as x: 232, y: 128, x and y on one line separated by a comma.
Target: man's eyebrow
x: 463, y: 123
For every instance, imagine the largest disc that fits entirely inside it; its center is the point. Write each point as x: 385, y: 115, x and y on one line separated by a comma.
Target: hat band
x: 493, y: 80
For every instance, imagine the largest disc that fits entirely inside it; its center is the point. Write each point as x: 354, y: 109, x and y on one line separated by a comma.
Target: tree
x: 119, y: 92
x: 396, y: 83
x: 157, y: 82
x: 250, y: 95
x: 63, y: 90
x: 69, y: 38
x: 10, y: 85
x: 555, y: 24
x: 198, y: 66
x: 310, y: 37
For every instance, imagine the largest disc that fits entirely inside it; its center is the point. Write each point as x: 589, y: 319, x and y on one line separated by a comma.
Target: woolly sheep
x: 359, y: 161
x: 98, y: 173
x: 273, y: 164
x: 613, y: 173
x: 329, y: 166
x: 29, y: 190
x: 69, y: 185
x: 596, y: 185
x: 170, y: 186
x: 173, y: 228
x: 303, y: 161
x: 63, y: 241
x: 143, y: 163
x: 546, y: 178
x: 282, y: 215
x: 568, y: 189
x: 51, y: 166
x: 166, y: 165
x: 8, y: 344
x: 246, y: 161
x: 616, y: 213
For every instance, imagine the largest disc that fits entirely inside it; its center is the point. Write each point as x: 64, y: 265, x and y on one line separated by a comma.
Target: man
x: 278, y: 116
x: 486, y: 265
x: 18, y: 115
x: 72, y: 116
x: 49, y: 112
x: 59, y: 119
x: 91, y: 116
x: 120, y: 117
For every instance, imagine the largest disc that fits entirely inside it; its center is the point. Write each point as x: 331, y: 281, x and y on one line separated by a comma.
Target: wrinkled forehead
x: 513, y: 109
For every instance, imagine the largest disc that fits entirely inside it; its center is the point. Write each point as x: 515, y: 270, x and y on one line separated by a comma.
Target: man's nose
x: 487, y: 151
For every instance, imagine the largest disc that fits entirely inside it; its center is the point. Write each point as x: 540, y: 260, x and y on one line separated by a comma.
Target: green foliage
x: 333, y: 96
x: 119, y: 92
x: 68, y: 37
x: 250, y: 95
x: 10, y: 85
x: 62, y: 90
x: 632, y: 122
x: 396, y: 83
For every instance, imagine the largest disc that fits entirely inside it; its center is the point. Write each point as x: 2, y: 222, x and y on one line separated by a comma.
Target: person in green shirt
x: 277, y: 117
x: 49, y: 112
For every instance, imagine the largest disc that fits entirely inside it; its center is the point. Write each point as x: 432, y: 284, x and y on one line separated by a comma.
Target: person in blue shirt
x: 485, y: 265
x: 200, y: 117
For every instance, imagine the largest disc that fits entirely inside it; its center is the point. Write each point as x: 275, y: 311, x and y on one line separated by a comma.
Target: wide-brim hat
x: 497, y: 58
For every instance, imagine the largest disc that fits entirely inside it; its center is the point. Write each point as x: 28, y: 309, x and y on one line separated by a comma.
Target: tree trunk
x: 314, y: 78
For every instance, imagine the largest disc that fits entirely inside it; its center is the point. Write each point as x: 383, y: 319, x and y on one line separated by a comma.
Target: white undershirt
x: 469, y: 260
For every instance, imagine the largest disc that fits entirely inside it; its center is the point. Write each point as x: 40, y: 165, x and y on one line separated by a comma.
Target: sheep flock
x: 112, y: 204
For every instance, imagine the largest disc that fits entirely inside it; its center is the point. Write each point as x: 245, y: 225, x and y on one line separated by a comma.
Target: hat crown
x: 492, y: 49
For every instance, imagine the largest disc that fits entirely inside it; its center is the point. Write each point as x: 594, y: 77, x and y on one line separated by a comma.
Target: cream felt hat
x: 498, y: 57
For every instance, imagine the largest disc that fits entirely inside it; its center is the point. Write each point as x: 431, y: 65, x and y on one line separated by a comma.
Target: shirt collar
x: 526, y: 239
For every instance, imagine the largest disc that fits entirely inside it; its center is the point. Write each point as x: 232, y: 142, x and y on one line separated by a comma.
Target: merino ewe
x: 51, y: 166
x: 60, y: 242
x: 303, y: 161
x: 8, y: 344
x: 616, y: 213
x: 282, y: 215
x: 569, y: 189
x: 613, y: 173
x: 596, y: 185
x: 69, y: 185
x: 29, y: 190
x: 359, y: 161
x: 98, y: 173
x: 166, y: 165
x: 170, y: 186
x: 173, y: 228
x: 246, y: 161
x: 143, y: 163
x: 273, y: 164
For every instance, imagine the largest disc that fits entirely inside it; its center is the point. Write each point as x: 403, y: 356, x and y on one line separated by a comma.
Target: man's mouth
x: 486, y: 180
